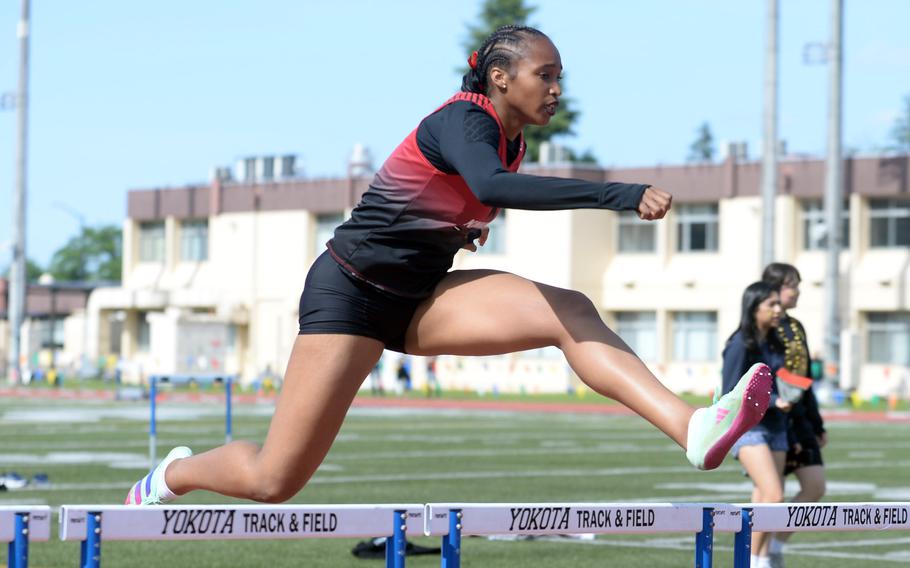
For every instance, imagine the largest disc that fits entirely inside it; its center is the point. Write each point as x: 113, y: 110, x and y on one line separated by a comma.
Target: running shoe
x: 714, y: 430
x: 146, y: 491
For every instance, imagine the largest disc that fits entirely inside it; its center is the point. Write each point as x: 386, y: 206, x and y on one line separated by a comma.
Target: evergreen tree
x: 900, y: 132
x: 702, y: 150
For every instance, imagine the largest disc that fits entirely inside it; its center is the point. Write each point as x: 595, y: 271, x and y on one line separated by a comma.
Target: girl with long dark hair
x: 762, y: 450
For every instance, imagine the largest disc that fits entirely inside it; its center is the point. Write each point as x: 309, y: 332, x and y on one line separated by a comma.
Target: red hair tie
x: 472, y: 61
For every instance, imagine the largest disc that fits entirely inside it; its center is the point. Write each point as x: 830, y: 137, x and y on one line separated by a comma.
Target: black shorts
x: 810, y: 454
x: 335, y: 301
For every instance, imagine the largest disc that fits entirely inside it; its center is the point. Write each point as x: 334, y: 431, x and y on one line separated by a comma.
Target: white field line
x: 682, y: 543
x: 591, y: 472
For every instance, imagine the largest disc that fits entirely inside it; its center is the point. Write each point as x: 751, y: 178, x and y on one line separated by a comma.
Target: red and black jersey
x: 439, y: 187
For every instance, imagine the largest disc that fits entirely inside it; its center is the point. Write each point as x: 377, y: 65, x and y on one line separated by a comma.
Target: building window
x: 815, y: 230
x: 696, y: 227
x: 889, y: 337
x: 194, y: 240
x: 325, y: 229
x: 151, y: 241
x: 889, y: 223
x: 143, y: 333
x: 694, y: 336
x: 639, y: 331
x: 635, y: 235
x: 231, y: 342
x: 496, y: 240
x: 51, y: 332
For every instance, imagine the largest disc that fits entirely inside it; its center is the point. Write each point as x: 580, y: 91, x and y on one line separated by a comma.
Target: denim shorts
x: 761, y: 434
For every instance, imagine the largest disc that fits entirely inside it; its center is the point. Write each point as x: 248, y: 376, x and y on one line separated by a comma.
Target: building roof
x: 874, y: 176
x: 58, y: 298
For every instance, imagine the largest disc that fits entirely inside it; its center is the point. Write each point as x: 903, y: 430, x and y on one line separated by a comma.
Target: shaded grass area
x: 92, y: 453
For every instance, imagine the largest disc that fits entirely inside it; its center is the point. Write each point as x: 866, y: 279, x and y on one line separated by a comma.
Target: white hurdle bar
x: 816, y: 517
x: 18, y: 526
x: 92, y: 524
x: 454, y: 520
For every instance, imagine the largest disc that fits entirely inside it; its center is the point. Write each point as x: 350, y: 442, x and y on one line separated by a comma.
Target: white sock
x: 763, y: 562
x: 164, y: 492
x: 775, y: 546
x: 753, y: 560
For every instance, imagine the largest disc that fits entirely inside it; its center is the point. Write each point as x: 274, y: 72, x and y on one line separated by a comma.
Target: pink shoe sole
x: 753, y: 406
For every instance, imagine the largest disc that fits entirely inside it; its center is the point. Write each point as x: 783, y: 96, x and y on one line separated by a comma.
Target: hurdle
x: 18, y: 526
x: 816, y: 517
x: 451, y: 521
x: 153, y: 411
x: 92, y: 524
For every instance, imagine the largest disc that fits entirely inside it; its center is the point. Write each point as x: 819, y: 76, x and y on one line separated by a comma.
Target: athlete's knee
x: 572, y: 303
x: 272, y: 483
x: 275, y: 489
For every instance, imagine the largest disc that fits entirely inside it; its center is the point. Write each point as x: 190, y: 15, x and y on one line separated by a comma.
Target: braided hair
x: 501, y: 49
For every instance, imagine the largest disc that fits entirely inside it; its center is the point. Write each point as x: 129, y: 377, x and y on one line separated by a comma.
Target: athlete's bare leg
x: 484, y: 312
x: 322, y: 377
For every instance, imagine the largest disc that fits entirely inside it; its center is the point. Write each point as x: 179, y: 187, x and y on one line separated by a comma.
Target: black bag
x: 375, y: 549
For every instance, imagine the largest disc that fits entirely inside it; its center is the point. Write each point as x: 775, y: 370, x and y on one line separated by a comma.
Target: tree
x: 33, y: 270
x: 496, y: 13
x: 94, y: 254
x: 900, y: 132
x: 702, y: 150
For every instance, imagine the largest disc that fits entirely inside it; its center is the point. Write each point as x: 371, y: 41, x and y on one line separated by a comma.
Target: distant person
x: 432, y: 379
x: 762, y: 450
x: 403, y: 375
x: 384, y: 282
x: 376, y: 379
x: 805, y: 427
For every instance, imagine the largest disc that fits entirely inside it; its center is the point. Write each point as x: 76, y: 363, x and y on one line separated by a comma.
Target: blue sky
x: 129, y: 95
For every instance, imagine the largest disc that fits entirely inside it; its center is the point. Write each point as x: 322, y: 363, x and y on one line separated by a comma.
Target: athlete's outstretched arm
x: 468, y: 139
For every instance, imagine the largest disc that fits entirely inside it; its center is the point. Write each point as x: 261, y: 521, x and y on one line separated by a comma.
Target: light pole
x: 831, y: 53
x: 16, y: 309
x: 769, y: 154
x: 834, y: 194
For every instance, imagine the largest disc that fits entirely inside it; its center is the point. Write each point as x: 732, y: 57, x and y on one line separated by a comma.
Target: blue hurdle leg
x: 451, y: 543
x: 742, y: 544
x: 18, y: 548
x: 91, y: 546
x: 396, y: 544
x: 153, y: 426
x: 228, y: 419
x: 704, y: 540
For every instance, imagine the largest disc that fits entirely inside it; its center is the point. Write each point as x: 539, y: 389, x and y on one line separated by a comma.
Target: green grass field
x: 92, y: 453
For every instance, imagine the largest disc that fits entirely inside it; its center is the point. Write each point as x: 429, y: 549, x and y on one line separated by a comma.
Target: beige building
x: 228, y: 260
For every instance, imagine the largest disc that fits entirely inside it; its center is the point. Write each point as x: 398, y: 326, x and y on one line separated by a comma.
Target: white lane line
x: 683, y: 543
